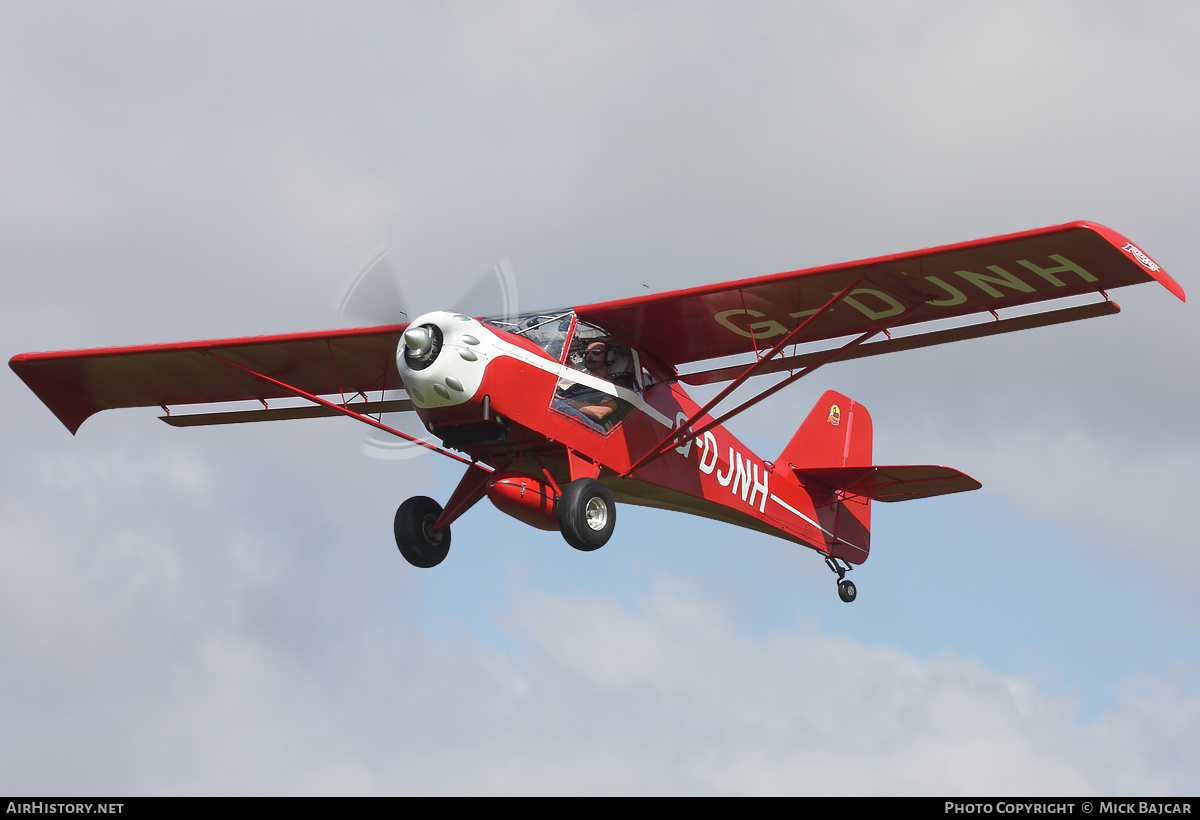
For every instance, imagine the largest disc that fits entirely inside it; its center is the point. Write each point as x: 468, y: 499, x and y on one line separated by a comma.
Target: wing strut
x: 685, y: 433
x: 342, y: 410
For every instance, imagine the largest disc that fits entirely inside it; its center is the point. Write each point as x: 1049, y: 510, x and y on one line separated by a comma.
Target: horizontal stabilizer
x: 900, y: 482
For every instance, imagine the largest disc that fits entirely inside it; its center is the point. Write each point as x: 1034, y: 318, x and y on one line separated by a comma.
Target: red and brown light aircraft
x: 560, y: 414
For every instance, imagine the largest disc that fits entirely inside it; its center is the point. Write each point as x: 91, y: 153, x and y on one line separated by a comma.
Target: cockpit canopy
x: 566, y: 339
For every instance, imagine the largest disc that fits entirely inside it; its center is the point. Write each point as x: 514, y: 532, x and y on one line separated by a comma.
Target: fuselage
x: 503, y: 394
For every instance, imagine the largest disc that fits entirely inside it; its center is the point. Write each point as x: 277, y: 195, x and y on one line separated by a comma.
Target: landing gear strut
x: 846, y: 589
x: 420, y: 544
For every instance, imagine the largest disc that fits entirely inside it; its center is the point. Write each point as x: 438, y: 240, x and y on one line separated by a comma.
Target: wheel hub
x: 432, y: 537
x: 595, y: 513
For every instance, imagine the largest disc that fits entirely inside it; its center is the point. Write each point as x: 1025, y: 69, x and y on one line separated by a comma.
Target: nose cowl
x: 441, y: 358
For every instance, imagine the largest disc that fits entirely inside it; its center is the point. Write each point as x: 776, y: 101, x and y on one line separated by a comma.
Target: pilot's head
x: 595, y: 357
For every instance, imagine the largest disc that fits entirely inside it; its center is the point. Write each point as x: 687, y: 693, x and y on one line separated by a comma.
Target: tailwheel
x: 846, y: 589
x: 420, y: 544
x: 586, y: 514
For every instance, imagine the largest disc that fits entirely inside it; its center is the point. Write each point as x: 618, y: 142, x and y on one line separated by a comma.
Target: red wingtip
x: 1136, y: 254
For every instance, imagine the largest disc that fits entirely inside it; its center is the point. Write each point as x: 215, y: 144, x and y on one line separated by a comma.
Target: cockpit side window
x: 619, y: 361
x: 592, y: 352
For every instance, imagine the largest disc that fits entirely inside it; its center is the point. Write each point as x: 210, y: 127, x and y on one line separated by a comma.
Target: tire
x: 586, y: 514
x: 420, y: 546
x: 847, y: 591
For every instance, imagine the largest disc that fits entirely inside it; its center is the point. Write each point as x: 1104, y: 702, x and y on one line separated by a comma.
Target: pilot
x: 587, y: 403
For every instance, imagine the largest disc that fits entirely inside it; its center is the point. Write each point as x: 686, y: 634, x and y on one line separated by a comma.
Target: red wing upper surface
x: 76, y: 384
x: 752, y: 315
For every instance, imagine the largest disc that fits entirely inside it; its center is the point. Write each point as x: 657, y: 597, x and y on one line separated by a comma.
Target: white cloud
x: 796, y: 710
x: 669, y: 692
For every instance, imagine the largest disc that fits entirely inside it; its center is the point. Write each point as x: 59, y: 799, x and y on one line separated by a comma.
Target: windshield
x: 547, y: 329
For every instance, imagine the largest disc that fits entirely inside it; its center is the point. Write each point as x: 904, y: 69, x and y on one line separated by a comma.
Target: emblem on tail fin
x: 835, y: 415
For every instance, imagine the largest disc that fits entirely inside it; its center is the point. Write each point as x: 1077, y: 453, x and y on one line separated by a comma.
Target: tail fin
x: 837, y: 433
x: 830, y: 455
x: 835, y: 436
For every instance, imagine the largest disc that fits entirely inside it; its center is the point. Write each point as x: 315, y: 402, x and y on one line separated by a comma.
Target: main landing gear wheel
x: 420, y: 544
x: 586, y: 514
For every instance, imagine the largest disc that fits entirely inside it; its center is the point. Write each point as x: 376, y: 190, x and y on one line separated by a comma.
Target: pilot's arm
x: 588, y: 402
x: 597, y: 412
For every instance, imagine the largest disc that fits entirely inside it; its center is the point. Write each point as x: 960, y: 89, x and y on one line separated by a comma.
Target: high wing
x: 757, y: 316
x: 872, y: 295
x: 350, y: 364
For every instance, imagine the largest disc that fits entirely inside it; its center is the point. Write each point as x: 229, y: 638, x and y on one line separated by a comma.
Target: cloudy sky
x: 223, y: 610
